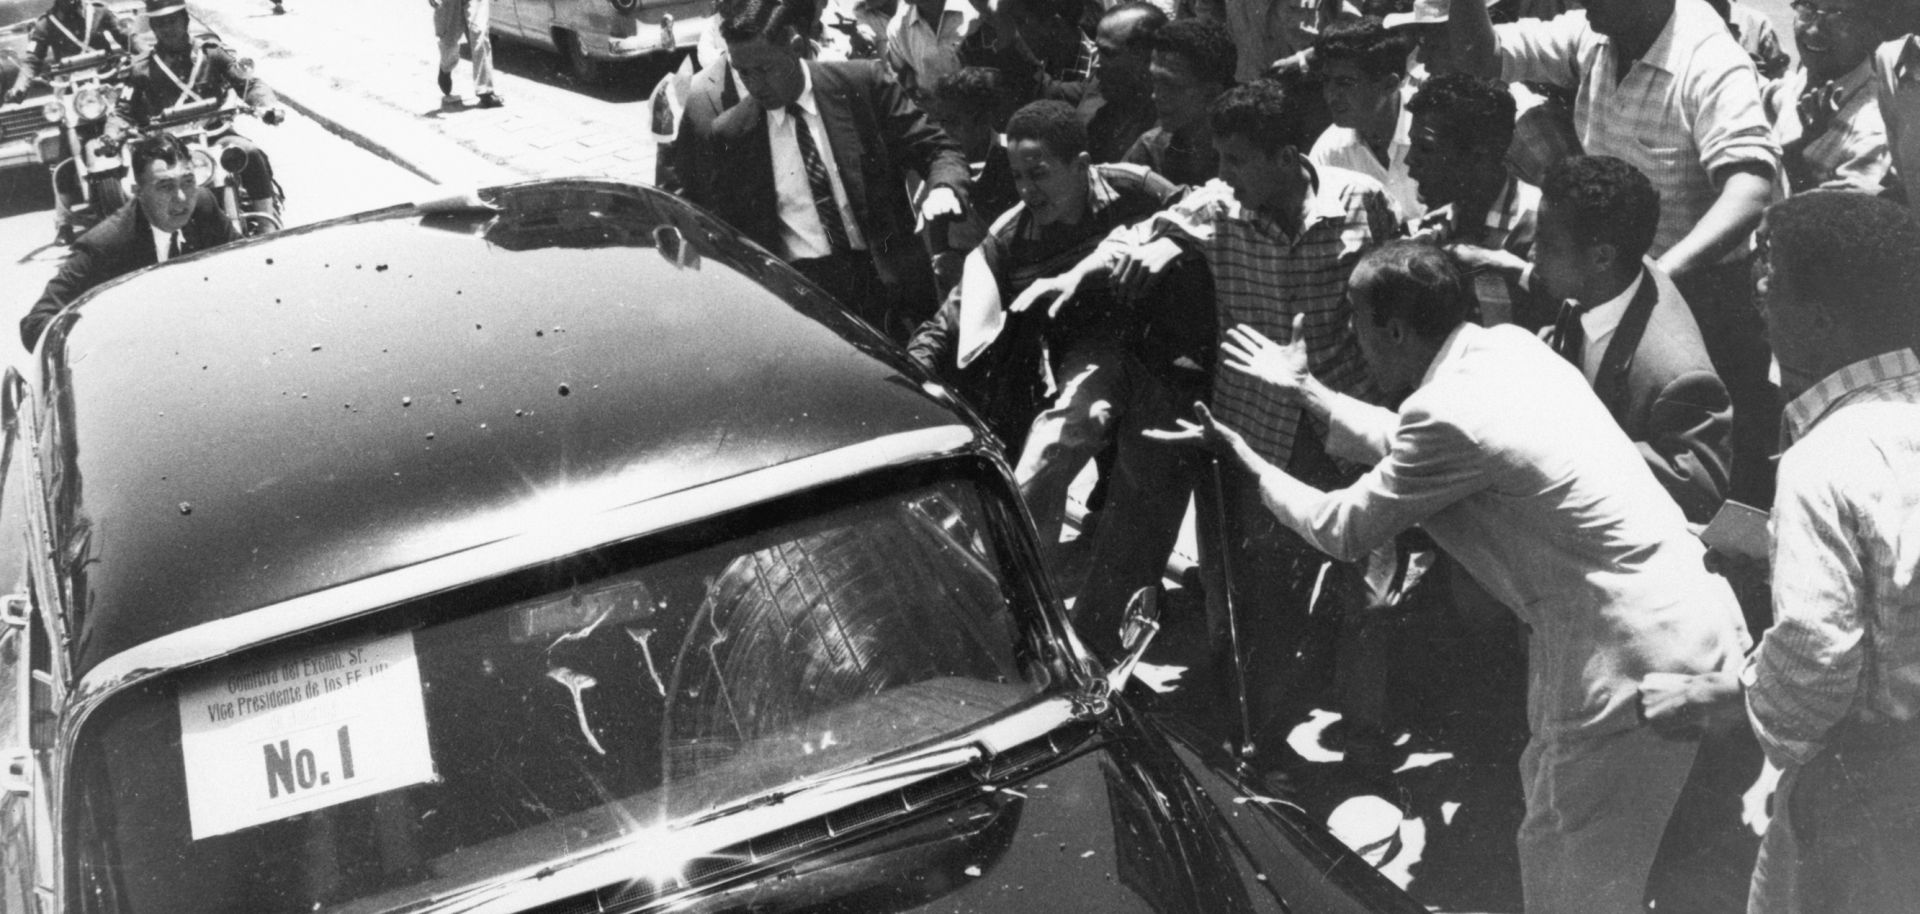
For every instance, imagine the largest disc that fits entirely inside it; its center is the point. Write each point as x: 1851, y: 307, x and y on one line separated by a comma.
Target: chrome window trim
x: 553, y: 539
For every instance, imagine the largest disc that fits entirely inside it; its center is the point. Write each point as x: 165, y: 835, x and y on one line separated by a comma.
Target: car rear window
x: 561, y: 710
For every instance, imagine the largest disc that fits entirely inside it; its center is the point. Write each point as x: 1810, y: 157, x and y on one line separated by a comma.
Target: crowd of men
x: 1525, y: 293
x: 1419, y: 285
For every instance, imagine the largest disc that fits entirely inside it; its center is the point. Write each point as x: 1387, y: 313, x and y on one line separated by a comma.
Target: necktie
x: 819, y: 182
x: 1568, y: 337
x: 173, y: 246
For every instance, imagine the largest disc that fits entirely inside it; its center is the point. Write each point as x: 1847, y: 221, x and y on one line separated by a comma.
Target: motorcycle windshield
x: 584, y: 705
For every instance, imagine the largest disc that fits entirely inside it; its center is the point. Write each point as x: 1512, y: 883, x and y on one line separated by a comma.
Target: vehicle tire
x: 584, y: 70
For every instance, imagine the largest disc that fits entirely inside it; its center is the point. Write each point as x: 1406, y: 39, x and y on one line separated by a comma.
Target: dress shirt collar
x: 1664, y: 54
x: 162, y: 243
x: 1833, y: 391
x: 1450, y: 349
x: 1600, y: 320
x: 910, y: 13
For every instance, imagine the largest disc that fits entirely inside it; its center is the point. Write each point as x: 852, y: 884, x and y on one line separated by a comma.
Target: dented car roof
x: 290, y: 413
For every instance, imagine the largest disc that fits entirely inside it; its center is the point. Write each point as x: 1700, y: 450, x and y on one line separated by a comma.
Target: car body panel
x: 391, y: 372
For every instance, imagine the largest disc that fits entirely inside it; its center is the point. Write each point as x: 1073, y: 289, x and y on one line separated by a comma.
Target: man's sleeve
x: 106, y: 24
x: 76, y: 276
x: 1806, y: 672
x: 1542, y: 50
x: 914, y: 138
x: 35, y: 60
x: 1188, y: 221
x: 1729, y: 125
x: 239, y: 76
x: 1886, y: 86
x: 1430, y: 465
x: 1687, y: 446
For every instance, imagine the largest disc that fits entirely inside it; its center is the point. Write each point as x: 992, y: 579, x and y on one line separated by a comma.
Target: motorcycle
x: 87, y: 171
x: 201, y: 125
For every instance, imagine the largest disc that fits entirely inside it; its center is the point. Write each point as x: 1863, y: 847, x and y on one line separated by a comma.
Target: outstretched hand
x: 1059, y: 290
x: 1282, y: 365
x: 1206, y: 433
x: 1141, y: 265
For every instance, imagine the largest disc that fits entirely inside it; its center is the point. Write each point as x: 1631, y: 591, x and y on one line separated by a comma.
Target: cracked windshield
x: 471, y: 736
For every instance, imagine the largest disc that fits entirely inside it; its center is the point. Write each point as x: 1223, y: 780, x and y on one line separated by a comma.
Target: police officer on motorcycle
x: 67, y: 28
x: 179, y: 70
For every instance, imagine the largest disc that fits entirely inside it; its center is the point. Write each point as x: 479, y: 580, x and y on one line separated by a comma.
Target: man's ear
x: 796, y: 43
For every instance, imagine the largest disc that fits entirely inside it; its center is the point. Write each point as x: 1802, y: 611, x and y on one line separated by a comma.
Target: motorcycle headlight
x: 203, y: 166
x: 90, y: 104
x: 52, y: 112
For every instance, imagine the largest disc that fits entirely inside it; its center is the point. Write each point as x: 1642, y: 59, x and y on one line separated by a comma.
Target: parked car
x: 558, y: 550
x: 589, y: 34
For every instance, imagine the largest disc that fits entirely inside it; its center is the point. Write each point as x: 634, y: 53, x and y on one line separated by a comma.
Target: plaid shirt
x: 1854, y: 146
x: 1262, y: 278
x: 1846, y: 573
x: 1685, y: 109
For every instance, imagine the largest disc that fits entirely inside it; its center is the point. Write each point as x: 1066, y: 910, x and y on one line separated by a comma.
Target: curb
x: 366, y: 121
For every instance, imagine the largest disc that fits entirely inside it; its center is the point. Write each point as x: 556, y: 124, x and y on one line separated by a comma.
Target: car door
x: 504, y: 20
x: 27, y: 687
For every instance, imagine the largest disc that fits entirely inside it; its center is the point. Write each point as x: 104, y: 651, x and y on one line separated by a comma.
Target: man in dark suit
x: 1628, y: 329
x: 170, y: 215
x: 809, y: 159
x: 1632, y: 334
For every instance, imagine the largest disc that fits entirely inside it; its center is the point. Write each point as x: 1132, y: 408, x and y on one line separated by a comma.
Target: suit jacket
x: 120, y: 244
x: 725, y: 163
x: 1658, y: 383
x: 1509, y: 461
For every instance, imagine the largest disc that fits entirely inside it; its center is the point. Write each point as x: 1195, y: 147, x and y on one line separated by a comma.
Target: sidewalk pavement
x: 364, y: 69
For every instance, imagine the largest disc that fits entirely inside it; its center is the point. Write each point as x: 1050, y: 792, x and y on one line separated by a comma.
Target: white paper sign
x: 302, y: 732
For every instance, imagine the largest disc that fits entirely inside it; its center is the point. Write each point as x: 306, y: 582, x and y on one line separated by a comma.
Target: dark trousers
x: 895, y: 309
x: 1265, y: 575
x: 1721, y: 299
x: 1147, y: 496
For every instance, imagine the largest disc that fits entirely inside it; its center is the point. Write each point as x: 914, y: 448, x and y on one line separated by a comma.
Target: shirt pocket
x: 1670, y: 168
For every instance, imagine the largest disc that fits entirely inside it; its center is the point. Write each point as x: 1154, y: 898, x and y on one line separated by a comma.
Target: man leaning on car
x: 170, y: 215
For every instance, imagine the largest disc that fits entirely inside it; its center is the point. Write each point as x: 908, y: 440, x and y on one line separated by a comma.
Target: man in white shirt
x: 1364, y: 68
x: 923, y: 42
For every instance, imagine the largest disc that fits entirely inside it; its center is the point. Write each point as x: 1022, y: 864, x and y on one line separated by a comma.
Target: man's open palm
x: 1283, y: 365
